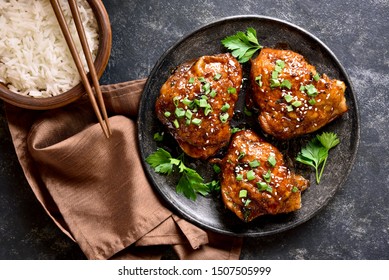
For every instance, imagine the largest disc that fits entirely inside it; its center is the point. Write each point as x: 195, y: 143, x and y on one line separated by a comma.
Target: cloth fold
x: 95, y: 188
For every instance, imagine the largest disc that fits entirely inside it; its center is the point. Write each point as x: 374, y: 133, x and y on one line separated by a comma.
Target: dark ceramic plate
x: 209, y: 212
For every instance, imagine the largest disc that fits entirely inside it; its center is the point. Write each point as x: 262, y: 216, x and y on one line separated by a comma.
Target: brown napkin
x: 95, y: 189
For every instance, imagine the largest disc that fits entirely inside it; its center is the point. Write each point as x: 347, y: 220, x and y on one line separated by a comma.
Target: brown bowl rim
x: 101, y: 61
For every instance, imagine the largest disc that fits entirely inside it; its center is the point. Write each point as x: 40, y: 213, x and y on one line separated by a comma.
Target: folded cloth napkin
x: 95, y: 188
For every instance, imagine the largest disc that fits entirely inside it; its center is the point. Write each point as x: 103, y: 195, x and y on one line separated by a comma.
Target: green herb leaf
x: 243, y: 45
x: 328, y: 139
x: 160, y: 157
x: 315, y: 153
x: 190, y: 183
x: 158, y: 136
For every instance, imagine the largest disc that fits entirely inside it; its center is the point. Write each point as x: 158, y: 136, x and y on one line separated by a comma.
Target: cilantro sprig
x: 243, y: 45
x: 315, y: 153
x: 190, y: 183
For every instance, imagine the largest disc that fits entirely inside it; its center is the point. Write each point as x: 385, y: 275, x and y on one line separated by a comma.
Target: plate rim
x: 211, y: 24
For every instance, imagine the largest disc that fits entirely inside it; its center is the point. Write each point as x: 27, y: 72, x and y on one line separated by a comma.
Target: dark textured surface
x: 354, y: 225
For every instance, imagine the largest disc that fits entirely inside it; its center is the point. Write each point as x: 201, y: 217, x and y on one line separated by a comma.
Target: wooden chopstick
x: 69, y: 40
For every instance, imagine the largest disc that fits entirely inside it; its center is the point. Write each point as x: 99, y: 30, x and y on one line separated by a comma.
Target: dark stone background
x: 354, y: 225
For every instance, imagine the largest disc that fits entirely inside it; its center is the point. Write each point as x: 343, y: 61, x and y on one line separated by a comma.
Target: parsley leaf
x: 315, y: 153
x: 190, y: 183
x: 243, y: 45
x: 160, y: 161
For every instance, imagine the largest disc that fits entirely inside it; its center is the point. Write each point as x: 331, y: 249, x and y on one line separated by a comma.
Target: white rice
x: 34, y: 57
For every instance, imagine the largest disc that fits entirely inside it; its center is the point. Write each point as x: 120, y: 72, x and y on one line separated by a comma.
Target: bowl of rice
x: 37, y: 70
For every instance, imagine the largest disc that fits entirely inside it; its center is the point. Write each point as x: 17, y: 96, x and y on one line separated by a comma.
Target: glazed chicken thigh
x: 255, y: 180
x: 293, y: 98
x: 197, y: 102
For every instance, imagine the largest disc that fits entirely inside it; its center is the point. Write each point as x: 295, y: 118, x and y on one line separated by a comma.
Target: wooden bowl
x: 101, y: 61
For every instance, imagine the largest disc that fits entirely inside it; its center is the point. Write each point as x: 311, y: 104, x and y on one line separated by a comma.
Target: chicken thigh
x: 197, y: 102
x: 255, y: 180
x: 293, y: 98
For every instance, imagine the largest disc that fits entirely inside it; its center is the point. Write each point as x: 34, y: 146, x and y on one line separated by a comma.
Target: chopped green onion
x: 241, y: 155
x: 176, y: 123
x: 311, y: 90
x: 224, y: 117
x: 302, y: 88
x: 274, y: 83
x: 289, y: 108
x: 277, y: 69
x: 316, y: 77
x: 312, y: 101
x: 280, y: 63
x: 287, y: 84
x: 191, y: 80
x: 239, y: 177
x: 203, y: 103
x: 267, y: 176
x: 201, y: 79
x: 295, y: 189
x: 235, y: 130
x: 297, y: 103
x: 179, y: 112
x: 188, y: 114
x: 225, y: 107
x: 242, y: 193
x: 216, y: 168
x: 288, y: 98
x: 217, y: 76
x: 274, y: 74
x: 272, y: 160
x: 207, y: 110
x: 254, y: 163
x: 258, y: 80
x: 206, y: 88
x: 158, y: 136
x: 186, y: 101
x: 196, y: 121
x: 167, y: 114
x: 176, y: 99
x: 250, y: 175
x: 247, y: 202
x: 231, y: 90
x: 247, y: 112
x: 213, y: 93
x: 262, y: 186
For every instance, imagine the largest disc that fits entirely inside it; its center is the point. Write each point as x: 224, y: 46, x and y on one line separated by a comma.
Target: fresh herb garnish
x: 315, y: 153
x: 190, y: 184
x: 272, y: 160
x: 243, y: 45
x: 158, y: 136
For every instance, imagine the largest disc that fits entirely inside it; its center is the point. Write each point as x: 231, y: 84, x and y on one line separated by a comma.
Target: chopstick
x: 69, y: 40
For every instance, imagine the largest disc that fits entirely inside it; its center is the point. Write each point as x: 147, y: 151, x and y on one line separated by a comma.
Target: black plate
x: 209, y: 212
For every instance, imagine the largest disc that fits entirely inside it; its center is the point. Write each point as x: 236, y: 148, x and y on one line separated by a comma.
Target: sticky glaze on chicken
x: 255, y: 180
x: 293, y: 98
x: 197, y: 102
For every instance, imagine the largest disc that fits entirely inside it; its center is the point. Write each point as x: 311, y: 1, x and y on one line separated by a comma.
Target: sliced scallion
x: 250, y: 175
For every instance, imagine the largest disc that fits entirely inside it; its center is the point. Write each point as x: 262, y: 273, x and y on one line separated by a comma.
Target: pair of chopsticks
x: 85, y: 47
